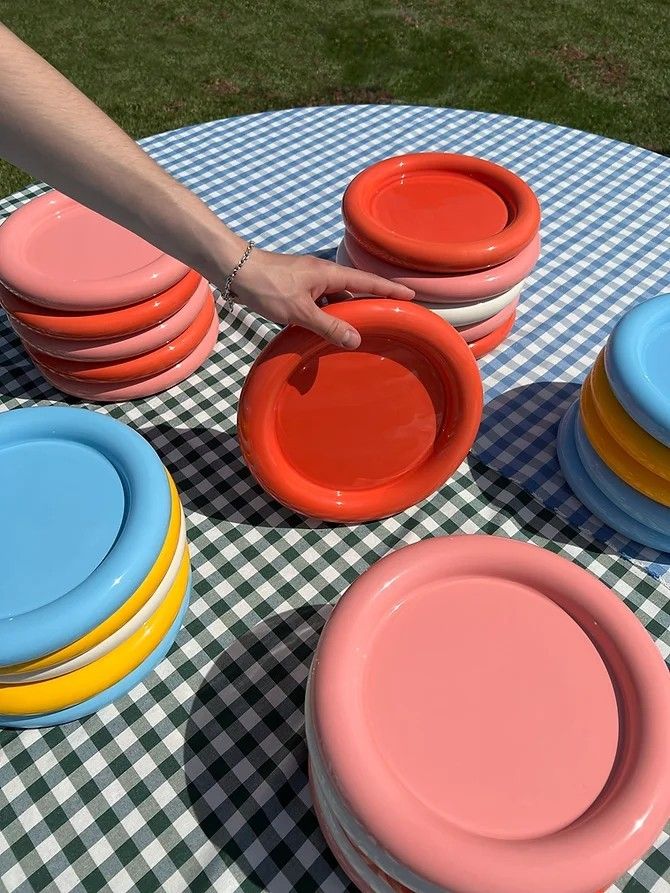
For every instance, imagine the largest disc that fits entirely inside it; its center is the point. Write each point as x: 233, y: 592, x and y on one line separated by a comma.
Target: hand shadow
x: 245, y: 757
x: 213, y: 480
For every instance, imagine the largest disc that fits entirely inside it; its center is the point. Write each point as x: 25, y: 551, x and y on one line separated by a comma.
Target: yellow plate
x: 56, y: 694
x: 634, y: 439
x: 613, y: 455
x: 127, y: 610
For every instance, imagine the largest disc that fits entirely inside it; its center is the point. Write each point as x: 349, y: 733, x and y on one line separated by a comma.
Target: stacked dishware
x: 614, y: 442
x: 104, y: 315
x: 462, y: 232
x: 96, y: 568
x: 465, y: 713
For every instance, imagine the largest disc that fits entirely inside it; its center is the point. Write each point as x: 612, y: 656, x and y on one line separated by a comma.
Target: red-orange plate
x: 441, y: 213
x: 110, y: 323
x: 133, y: 368
x: 354, y: 436
x: 488, y: 343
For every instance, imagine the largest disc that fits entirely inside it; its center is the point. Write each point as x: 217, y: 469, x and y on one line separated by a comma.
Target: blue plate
x: 85, y: 511
x: 637, y: 505
x: 121, y: 688
x: 593, y: 498
x: 637, y: 361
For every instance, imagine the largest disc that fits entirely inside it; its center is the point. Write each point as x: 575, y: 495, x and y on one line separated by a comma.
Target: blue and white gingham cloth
x: 279, y: 177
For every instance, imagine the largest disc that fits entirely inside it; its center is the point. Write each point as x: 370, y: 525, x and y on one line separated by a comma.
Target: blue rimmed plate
x: 86, y: 507
x: 593, y: 498
x: 637, y: 361
x: 121, y: 688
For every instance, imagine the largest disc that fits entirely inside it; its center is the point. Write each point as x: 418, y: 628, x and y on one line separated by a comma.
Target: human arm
x: 51, y: 130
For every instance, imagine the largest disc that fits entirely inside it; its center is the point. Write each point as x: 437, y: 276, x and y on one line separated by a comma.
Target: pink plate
x: 450, y: 288
x: 465, y: 697
x: 97, y: 392
x: 60, y: 254
x: 117, y: 348
x: 481, y: 329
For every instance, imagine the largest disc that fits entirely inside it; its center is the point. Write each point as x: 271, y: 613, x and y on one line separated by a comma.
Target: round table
x: 197, y: 779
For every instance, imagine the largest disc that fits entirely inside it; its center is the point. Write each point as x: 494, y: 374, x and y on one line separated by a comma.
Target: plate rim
x: 419, y: 254
x: 577, y: 857
x: 255, y: 423
x: 92, y: 294
x: 32, y: 634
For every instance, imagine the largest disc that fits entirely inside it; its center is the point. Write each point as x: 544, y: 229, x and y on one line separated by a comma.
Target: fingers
x: 334, y: 330
x: 341, y: 278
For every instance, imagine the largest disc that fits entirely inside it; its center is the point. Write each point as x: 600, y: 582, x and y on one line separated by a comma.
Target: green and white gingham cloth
x: 196, y: 780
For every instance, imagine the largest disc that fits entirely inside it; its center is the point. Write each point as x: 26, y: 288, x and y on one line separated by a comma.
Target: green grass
x: 599, y: 65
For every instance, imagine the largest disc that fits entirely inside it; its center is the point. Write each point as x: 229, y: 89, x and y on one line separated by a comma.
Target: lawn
x: 600, y: 65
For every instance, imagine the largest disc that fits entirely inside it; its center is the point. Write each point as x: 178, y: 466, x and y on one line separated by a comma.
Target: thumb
x: 329, y: 327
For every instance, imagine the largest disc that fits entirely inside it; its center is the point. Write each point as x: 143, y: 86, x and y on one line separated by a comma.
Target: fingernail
x: 351, y: 339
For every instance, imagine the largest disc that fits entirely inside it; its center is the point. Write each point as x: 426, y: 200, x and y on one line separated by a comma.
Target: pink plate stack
x: 484, y: 716
x: 461, y: 232
x: 104, y: 315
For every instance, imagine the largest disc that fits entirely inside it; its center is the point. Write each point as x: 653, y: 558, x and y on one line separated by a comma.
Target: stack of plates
x: 614, y: 443
x: 351, y: 436
x: 104, y: 315
x: 463, y: 233
x: 95, y: 563
x: 483, y: 716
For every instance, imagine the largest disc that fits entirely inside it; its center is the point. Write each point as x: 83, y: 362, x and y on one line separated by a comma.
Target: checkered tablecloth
x: 196, y: 780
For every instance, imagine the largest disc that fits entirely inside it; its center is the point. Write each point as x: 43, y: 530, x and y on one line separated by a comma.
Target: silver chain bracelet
x: 227, y: 291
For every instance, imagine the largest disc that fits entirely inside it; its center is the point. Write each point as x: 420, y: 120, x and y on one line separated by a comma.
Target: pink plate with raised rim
x: 59, y: 254
x: 96, y: 392
x: 482, y: 329
x: 81, y: 350
x: 450, y: 288
x: 494, y: 718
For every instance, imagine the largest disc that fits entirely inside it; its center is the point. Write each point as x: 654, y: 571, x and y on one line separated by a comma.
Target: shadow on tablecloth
x: 213, y: 480
x: 245, y: 756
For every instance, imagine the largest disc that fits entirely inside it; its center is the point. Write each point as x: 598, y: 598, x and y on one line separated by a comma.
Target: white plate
x: 123, y: 633
x: 469, y: 314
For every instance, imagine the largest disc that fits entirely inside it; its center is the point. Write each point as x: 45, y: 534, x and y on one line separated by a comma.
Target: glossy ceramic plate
x: 361, y: 872
x: 469, y: 314
x: 117, y: 348
x: 110, y: 393
x: 612, y: 454
x: 637, y: 505
x: 636, y: 359
x: 452, y: 289
x: 441, y: 213
x: 633, y: 439
x: 123, y: 615
x: 91, y: 497
x: 104, y: 324
x: 471, y: 633
x: 134, y: 368
x: 63, y: 255
x: 114, y: 693
x: 481, y: 329
x: 350, y: 436
x: 121, y: 635
x: 486, y: 345
x: 52, y: 695
x: 593, y: 498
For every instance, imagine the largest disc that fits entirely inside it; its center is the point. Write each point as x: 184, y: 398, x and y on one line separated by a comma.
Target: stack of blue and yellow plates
x: 614, y: 442
x: 95, y: 563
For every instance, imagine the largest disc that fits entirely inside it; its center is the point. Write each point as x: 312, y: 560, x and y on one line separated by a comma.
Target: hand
x: 284, y: 288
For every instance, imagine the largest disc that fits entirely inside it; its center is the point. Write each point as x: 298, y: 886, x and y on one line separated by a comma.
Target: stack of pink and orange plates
x: 104, y: 315
x: 484, y: 716
x: 463, y: 233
